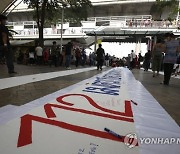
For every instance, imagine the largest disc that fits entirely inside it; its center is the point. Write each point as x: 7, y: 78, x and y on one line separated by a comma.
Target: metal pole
x: 95, y: 42
x: 177, y: 18
x: 62, y: 18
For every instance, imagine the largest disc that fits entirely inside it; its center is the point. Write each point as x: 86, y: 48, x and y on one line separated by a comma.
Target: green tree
x: 159, y: 7
x: 48, y: 11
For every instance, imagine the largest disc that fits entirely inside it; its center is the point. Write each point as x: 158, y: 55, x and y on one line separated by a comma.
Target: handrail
x: 129, y: 24
x: 121, y: 18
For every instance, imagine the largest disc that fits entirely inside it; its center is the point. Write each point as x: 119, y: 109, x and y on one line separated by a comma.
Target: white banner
x: 93, y: 118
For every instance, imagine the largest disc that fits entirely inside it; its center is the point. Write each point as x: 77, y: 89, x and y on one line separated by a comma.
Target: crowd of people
x: 150, y: 23
x: 70, y: 55
x: 165, y: 55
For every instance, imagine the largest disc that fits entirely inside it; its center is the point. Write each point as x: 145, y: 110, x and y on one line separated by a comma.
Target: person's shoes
x: 13, y: 72
x: 101, y: 68
x: 166, y: 84
x: 68, y: 68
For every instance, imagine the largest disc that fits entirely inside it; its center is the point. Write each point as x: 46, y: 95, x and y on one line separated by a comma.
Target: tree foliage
x: 161, y: 5
x: 49, y: 11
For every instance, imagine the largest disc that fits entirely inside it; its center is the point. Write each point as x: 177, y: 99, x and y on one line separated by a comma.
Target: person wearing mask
x: 5, y: 46
x: 100, y: 57
x: 170, y: 58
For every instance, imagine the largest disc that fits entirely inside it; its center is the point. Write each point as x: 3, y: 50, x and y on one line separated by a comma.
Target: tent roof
x: 5, y: 4
x: 128, y: 32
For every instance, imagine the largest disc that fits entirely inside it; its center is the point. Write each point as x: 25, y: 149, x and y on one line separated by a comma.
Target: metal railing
x: 120, y: 18
x: 138, y: 22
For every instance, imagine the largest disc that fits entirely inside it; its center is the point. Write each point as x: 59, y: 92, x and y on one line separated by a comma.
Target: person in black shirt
x: 5, y: 46
x: 147, y: 59
x: 68, y: 51
x: 100, y: 57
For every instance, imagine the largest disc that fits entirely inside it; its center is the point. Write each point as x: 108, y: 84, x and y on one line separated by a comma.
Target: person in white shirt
x: 39, y: 54
x: 132, y: 59
x: 31, y: 56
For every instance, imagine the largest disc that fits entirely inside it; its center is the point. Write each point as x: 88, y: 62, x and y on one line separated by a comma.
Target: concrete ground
x: 167, y: 96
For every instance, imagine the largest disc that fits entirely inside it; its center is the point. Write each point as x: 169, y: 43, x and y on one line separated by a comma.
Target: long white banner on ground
x: 97, y: 117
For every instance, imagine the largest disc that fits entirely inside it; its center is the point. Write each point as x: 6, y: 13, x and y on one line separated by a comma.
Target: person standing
x: 46, y: 56
x: 170, y: 58
x: 83, y: 56
x: 54, y: 54
x: 78, y: 56
x: 100, y: 57
x: 132, y: 60
x: 90, y: 59
x: 39, y: 54
x: 147, y: 59
x: 5, y: 46
x: 128, y: 61
x: 68, y: 51
x: 107, y: 60
x: 140, y: 59
x: 157, y: 56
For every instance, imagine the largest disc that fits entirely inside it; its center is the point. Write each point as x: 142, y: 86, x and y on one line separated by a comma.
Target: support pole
x: 95, y: 42
x: 177, y: 18
x: 62, y: 18
x: 138, y: 46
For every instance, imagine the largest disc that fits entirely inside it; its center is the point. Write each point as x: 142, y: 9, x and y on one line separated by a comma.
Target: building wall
x: 20, y: 16
x: 129, y: 9
x: 121, y: 9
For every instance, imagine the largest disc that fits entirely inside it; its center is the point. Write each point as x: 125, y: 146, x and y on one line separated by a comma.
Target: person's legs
x: 38, y: 60
x: 148, y: 65
x: 154, y: 66
x: 131, y: 64
x: 165, y: 73
x: 66, y: 63
x: 107, y: 63
x: 168, y: 68
x: 98, y: 64
x: 68, y: 59
x: 77, y: 61
x: 9, y: 60
x: 101, y: 64
x: 158, y: 65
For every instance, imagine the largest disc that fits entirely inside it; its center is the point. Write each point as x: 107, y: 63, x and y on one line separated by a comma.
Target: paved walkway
x: 167, y: 96
x: 22, y: 94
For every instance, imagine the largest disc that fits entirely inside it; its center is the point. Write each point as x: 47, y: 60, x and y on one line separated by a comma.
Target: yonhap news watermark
x: 159, y: 140
x: 131, y: 140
